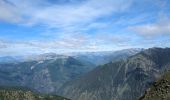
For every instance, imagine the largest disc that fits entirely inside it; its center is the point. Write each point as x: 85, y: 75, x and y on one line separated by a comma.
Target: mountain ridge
x: 121, y: 80
x: 50, y: 72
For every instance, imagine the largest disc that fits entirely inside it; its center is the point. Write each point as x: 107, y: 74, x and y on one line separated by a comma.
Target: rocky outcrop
x: 160, y: 90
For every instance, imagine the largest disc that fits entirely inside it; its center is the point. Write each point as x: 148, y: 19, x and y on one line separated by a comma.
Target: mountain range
x: 119, y: 75
x: 47, y: 73
x: 125, y: 79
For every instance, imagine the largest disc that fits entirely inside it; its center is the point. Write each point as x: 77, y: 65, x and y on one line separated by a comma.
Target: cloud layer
x: 38, y: 26
x: 160, y: 27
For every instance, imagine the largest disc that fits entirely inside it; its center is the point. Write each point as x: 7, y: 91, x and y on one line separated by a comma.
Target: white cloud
x: 60, y: 15
x: 72, y: 24
x: 161, y: 27
x: 9, y: 12
x: 68, y: 43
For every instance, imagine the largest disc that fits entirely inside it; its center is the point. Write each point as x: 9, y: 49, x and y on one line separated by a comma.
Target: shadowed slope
x: 122, y: 80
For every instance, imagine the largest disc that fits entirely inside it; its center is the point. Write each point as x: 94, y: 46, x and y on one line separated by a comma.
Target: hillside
x: 121, y: 80
x: 45, y: 75
x: 160, y: 90
x: 48, y: 72
x: 23, y: 94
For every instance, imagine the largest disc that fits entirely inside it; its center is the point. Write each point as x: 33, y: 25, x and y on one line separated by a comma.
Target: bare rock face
x: 122, y: 80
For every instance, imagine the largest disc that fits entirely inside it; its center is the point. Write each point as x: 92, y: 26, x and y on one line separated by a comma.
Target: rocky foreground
x: 160, y: 89
x: 21, y: 94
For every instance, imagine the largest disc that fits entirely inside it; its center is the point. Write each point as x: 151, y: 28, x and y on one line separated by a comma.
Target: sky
x: 61, y: 26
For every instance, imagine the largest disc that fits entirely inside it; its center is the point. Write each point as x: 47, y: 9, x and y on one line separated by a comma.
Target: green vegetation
x: 24, y: 94
x: 160, y: 90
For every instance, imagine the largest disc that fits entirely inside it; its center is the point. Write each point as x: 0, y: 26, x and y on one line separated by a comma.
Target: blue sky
x: 41, y: 26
